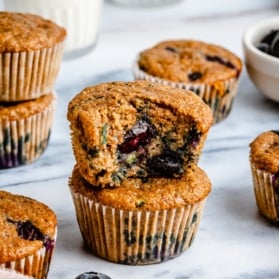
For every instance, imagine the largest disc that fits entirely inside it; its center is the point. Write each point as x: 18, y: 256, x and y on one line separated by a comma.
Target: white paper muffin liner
x: 266, y: 195
x: 136, y: 237
x: 35, y: 265
x: 29, y: 75
x: 219, y: 96
x: 23, y: 141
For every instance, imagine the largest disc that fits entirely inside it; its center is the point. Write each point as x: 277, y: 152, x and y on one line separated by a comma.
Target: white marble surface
x: 233, y: 240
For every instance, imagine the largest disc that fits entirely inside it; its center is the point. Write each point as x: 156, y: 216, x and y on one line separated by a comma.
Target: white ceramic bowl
x: 262, y: 68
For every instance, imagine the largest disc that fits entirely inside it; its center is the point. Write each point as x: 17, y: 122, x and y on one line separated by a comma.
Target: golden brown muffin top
x: 27, y: 32
x: 108, y: 96
x: 190, y: 61
x: 154, y: 194
x: 21, y: 110
x: 14, y: 211
x: 264, y: 151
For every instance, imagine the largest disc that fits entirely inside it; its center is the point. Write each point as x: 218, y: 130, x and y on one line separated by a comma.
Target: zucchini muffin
x: 25, y: 129
x: 209, y: 70
x: 140, y: 222
x: 31, y: 49
x: 264, y: 160
x: 28, y: 234
x: 136, y: 130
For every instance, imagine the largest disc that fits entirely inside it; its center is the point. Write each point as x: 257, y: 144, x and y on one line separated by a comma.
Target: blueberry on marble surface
x: 92, y: 275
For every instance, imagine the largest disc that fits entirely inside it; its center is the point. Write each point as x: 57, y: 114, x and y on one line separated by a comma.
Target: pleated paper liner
x: 136, y: 237
x: 266, y: 193
x: 35, y: 265
x: 219, y: 96
x: 29, y: 75
x: 23, y: 141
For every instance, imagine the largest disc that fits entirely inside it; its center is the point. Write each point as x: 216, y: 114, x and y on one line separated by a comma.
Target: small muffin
x: 264, y: 160
x: 25, y: 128
x: 137, y: 130
x: 28, y: 234
x: 211, y: 71
x: 31, y: 50
x: 140, y: 222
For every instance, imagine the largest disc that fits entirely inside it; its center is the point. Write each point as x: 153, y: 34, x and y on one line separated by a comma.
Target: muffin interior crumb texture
x: 136, y: 129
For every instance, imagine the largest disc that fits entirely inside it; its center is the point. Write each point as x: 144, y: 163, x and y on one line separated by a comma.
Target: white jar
x: 81, y: 18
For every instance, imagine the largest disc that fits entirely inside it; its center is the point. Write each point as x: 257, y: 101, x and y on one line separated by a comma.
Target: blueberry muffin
x: 25, y: 129
x: 31, y: 49
x: 28, y: 235
x: 140, y: 222
x: 264, y: 160
x: 136, y: 130
x: 209, y: 70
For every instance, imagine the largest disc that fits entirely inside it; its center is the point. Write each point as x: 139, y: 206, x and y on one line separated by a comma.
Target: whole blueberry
x: 92, y: 275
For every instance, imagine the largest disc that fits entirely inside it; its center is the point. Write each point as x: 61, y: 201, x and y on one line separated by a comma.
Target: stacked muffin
x: 210, y: 70
x: 28, y: 235
x: 136, y: 186
x: 31, y: 51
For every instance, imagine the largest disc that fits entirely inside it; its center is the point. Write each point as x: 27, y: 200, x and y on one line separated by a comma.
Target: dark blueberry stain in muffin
x: 13, y: 152
x: 139, y: 136
x: 275, y: 132
x: 26, y: 230
x: 194, y: 76
x: 218, y: 59
x: 92, y: 275
x: 275, y: 180
x: 167, y: 164
x: 171, y: 49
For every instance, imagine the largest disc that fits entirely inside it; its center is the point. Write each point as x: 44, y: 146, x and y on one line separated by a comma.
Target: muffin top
x: 26, y: 225
x: 154, y: 194
x: 107, y: 97
x: 264, y: 151
x: 22, y: 110
x: 27, y: 32
x: 189, y: 61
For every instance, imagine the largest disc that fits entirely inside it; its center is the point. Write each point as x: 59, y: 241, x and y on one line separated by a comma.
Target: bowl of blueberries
x: 261, y: 54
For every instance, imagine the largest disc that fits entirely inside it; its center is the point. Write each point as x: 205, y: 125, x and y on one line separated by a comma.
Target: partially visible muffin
x: 140, y: 222
x: 31, y: 50
x: 28, y: 234
x: 264, y: 160
x: 136, y: 130
x: 25, y: 129
x: 211, y: 71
